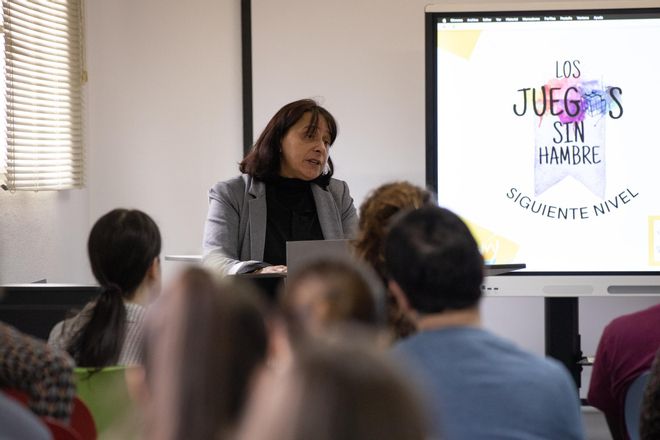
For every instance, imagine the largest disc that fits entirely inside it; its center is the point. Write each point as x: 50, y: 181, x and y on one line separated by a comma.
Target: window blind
x: 43, y: 76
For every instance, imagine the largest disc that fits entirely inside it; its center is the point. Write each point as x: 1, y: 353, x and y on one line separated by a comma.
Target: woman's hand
x: 271, y: 269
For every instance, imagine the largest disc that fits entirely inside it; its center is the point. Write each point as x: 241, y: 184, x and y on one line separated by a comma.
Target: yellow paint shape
x: 459, y: 43
x: 495, y: 248
x: 654, y: 240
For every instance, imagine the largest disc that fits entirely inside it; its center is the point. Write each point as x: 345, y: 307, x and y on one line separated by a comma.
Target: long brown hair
x: 205, y: 345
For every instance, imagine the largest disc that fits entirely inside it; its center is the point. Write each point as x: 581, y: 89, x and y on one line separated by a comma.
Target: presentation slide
x: 547, y: 138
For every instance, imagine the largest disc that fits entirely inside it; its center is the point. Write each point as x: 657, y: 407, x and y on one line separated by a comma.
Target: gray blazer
x: 235, y: 228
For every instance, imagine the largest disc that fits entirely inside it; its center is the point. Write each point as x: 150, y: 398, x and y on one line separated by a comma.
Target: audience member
x: 320, y: 296
x: 626, y: 350
x: 333, y: 391
x: 18, y: 422
x: 480, y: 385
x: 44, y: 373
x: 375, y: 214
x: 205, y: 341
x: 124, y: 247
x: 329, y: 291
x: 650, y: 413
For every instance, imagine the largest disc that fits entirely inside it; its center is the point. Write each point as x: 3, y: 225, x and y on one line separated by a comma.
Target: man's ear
x: 399, y: 296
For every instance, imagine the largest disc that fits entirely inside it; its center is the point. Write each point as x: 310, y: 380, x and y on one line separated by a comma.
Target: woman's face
x: 304, y: 155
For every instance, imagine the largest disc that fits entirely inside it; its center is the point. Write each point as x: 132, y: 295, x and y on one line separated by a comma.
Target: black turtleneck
x: 290, y: 216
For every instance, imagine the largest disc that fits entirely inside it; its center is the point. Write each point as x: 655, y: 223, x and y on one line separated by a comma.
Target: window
x: 42, y: 100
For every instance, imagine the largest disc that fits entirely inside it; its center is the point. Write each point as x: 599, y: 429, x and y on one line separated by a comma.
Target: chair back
x: 82, y: 420
x: 105, y: 393
x: 633, y: 404
x: 61, y: 431
x: 18, y: 395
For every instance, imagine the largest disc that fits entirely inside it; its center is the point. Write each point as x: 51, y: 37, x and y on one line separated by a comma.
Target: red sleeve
x: 600, y: 393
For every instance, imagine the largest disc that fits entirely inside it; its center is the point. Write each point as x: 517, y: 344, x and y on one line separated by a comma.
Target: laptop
x: 299, y: 253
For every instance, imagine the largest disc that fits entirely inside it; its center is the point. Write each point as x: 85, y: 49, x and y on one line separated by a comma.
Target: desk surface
x: 260, y: 275
x: 491, y: 269
x: 186, y: 258
x: 499, y: 269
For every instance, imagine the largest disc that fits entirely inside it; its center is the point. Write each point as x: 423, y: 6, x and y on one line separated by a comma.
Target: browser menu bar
x: 544, y: 18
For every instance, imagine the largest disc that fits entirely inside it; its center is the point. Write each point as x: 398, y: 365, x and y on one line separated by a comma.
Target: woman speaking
x: 286, y: 193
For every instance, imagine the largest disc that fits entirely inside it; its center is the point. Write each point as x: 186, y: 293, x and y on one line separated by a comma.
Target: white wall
x: 164, y: 109
x: 365, y: 61
x: 163, y: 123
x: 44, y: 235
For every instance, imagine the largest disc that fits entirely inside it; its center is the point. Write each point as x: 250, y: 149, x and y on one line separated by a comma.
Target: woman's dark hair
x: 213, y: 341
x: 435, y: 260
x: 122, y: 247
x: 263, y: 160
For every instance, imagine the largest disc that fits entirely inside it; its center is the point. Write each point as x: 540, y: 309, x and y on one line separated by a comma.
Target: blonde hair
x: 375, y: 214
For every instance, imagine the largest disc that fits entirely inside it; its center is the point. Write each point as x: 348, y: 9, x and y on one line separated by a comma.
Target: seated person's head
x: 123, y: 246
x: 205, y: 340
x: 375, y: 214
x: 432, y: 257
x: 332, y: 291
x: 335, y: 390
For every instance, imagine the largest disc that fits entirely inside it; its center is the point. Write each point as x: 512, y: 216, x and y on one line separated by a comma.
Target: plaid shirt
x: 45, y: 374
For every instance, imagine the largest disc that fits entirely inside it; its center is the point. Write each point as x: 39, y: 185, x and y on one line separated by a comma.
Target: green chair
x: 106, y: 395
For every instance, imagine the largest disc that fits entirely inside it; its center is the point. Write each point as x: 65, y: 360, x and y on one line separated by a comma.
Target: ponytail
x: 99, y: 342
